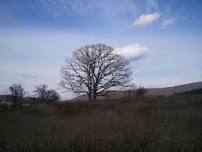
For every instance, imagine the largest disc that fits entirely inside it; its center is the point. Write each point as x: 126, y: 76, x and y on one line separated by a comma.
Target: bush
x: 46, y: 95
x: 141, y: 91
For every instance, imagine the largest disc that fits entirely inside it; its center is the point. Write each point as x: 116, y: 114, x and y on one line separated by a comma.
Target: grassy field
x: 142, y: 124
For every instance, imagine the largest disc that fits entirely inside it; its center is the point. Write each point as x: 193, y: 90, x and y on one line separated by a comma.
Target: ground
x: 142, y: 124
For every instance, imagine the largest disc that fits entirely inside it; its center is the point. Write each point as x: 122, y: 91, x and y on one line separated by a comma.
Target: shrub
x: 141, y: 91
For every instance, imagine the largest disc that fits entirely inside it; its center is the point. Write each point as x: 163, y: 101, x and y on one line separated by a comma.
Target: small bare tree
x: 93, y: 70
x: 46, y: 95
x: 52, y: 95
x: 40, y: 91
x: 17, y: 92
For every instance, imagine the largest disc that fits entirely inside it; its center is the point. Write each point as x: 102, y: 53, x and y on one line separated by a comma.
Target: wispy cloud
x: 168, y: 22
x: 85, y: 9
x: 146, y: 19
x: 65, y: 13
x: 134, y: 51
x: 152, y: 5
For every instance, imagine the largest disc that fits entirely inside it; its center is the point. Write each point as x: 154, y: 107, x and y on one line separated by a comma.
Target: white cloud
x: 168, y: 22
x: 146, y: 19
x: 133, y: 51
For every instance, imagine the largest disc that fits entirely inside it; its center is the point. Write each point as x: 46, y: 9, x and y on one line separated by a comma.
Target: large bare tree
x: 93, y: 70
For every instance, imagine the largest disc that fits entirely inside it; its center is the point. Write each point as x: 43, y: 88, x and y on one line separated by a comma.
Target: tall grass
x: 145, y: 124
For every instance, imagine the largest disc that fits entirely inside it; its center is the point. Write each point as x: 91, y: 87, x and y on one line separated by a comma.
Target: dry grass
x: 144, y: 124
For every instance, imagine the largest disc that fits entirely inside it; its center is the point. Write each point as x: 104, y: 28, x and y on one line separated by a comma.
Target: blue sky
x: 37, y: 35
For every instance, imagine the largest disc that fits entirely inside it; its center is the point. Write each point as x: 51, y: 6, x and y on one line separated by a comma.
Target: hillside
x: 167, y: 91
x: 175, y: 89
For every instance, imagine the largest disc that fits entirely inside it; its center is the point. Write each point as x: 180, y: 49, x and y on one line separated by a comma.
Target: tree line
x: 41, y: 92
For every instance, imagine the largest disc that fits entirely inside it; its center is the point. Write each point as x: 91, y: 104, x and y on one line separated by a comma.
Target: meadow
x: 129, y: 124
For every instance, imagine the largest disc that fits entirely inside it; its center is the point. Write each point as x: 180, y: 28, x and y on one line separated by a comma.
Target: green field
x: 142, y: 124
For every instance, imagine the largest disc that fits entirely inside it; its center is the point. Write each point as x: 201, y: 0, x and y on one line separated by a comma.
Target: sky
x: 161, y: 38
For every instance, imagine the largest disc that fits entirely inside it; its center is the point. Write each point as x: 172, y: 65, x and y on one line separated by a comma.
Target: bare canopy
x: 17, y: 92
x: 93, y: 70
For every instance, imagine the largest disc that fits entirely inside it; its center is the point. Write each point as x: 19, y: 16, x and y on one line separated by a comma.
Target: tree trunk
x: 15, y: 100
x: 89, y: 97
x: 94, y: 96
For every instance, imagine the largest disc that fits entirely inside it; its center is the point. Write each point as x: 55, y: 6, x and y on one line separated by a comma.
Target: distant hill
x: 175, y: 89
x: 5, y: 98
x: 25, y: 99
x: 110, y: 95
x: 190, y: 87
x: 194, y: 91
